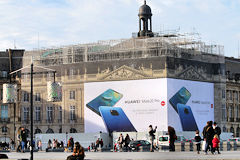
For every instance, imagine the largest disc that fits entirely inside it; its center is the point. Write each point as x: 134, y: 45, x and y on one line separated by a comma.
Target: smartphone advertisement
x: 131, y: 106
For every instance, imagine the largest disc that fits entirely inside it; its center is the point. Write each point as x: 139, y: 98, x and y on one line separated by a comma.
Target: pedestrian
x: 120, y: 142
x: 208, y: 134
x: 172, y: 138
x: 97, y: 145
x: 217, y: 130
x: 101, y: 143
x: 215, y: 143
x: 12, y: 144
x: 78, y: 152
x: 198, y: 140
x: 127, y: 141
x: 40, y: 145
x: 49, y: 146
x: 152, y: 136
x: 23, y: 138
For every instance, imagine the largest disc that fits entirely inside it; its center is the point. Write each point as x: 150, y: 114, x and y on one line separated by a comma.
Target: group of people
x: 122, y: 143
x: 96, y: 146
x: 54, y: 144
x: 211, y: 136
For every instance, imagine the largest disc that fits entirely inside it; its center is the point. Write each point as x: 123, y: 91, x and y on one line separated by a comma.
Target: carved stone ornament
x: 124, y: 72
x: 191, y: 73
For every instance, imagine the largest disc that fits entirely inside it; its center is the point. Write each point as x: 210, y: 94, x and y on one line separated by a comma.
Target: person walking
x: 23, y: 138
x: 208, y: 134
x: 12, y: 144
x: 120, y: 142
x: 152, y: 136
x: 172, y: 138
x: 198, y: 140
x: 217, y: 130
x: 215, y: 143
x: 127, y: 141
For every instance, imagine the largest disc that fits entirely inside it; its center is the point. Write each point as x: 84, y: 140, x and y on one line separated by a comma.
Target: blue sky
x: 50, y: 23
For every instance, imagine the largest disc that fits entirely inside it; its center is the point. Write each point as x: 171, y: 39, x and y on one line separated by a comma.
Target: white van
x: 163, y: 140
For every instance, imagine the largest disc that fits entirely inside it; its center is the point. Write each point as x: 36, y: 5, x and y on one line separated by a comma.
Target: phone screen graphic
x: 107, y: 98
x: 186, y: 117
x: 182, y: 96
x: 116, y: 120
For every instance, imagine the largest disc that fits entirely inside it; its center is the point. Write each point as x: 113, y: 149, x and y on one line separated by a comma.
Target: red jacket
x: 215, y: 142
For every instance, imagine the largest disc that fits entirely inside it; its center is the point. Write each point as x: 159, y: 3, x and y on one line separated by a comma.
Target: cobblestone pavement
x: 228, y: 155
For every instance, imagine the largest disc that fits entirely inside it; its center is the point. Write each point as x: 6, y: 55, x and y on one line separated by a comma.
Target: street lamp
x: 31, y: 99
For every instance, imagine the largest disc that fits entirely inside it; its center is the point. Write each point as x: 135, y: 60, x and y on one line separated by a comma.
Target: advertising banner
x: 126, y: 106
x: 54, y: 90
x: 9, y: 93
x: 190, y: 104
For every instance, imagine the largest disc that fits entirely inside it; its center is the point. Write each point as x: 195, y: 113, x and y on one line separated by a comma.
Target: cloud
x: 61, y: 22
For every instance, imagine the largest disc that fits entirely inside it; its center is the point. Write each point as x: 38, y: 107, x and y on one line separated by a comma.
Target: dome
x: 145, y: 10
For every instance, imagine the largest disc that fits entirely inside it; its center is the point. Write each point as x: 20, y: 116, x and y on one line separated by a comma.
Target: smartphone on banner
x: 116, y: 120
x: 107, y: 98
x: 182, y: 96
x: 186, y: 117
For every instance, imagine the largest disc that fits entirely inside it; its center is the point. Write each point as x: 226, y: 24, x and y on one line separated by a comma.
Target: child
x: 215, y: 143
x: 198, y: 140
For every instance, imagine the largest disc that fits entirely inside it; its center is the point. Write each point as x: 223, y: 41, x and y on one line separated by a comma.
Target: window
x: 25, y: 96
x: 236, y: 96
x: 72, y: 95
x: 223, y: 93
x: 26, y: 114
x: 72, y: 113
x: 49, y: 114
x: 1, y: 94
x: 230, y: 95
x: 37, y: 114
x: 73, y: 130
x: 4, y: 112
x: 4, y: 129
x: 60, y: 114
x: 230, y: 112
x: 224, y: 113
x: 237, y: 111
x: 37, y: 97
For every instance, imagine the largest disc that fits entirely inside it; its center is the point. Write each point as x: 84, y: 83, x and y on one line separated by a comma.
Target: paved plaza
x: 228, y: 155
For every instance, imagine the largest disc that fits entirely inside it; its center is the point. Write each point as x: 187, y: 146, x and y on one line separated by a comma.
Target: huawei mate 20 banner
x: 131, y: 106
x: 125, y: 106
x: 190, y: 104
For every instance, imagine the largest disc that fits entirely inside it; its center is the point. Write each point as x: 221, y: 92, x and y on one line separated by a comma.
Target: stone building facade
x: 232, y: 110
x: 10, y: 60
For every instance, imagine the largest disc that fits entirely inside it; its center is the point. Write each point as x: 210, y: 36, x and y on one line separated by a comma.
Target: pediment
x: 124, y: 72
x: 191, y: 73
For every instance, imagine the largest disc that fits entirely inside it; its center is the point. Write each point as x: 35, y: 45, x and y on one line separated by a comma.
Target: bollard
x: 228, y: 146
x: 182, y: 146
x: 234, y: 145
x: 221, y: 146
x: 191, y: 146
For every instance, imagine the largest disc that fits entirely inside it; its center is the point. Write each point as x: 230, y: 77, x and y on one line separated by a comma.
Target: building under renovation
x: 148, y: 55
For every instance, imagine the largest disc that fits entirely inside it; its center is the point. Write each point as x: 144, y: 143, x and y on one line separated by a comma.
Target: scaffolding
x: 162, y: 44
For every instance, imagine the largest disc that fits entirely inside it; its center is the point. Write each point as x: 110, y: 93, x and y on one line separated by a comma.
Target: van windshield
x: 163, y: 138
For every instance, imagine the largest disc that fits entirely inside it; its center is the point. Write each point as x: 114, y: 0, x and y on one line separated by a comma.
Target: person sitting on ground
x: 78, y: 152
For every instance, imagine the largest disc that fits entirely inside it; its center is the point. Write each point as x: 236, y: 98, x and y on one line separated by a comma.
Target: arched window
x: 73, y: 130
x: 224, y: 129
x: 49, y: 130
x: 232, y: 130
x: 237, y: 132
x: 37, y: 130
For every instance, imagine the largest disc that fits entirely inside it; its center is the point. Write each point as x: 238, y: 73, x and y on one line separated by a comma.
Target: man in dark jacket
x: 208, y: 133
x: 23, y: 138
x: 172, y: 138
x: 152, y: 136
